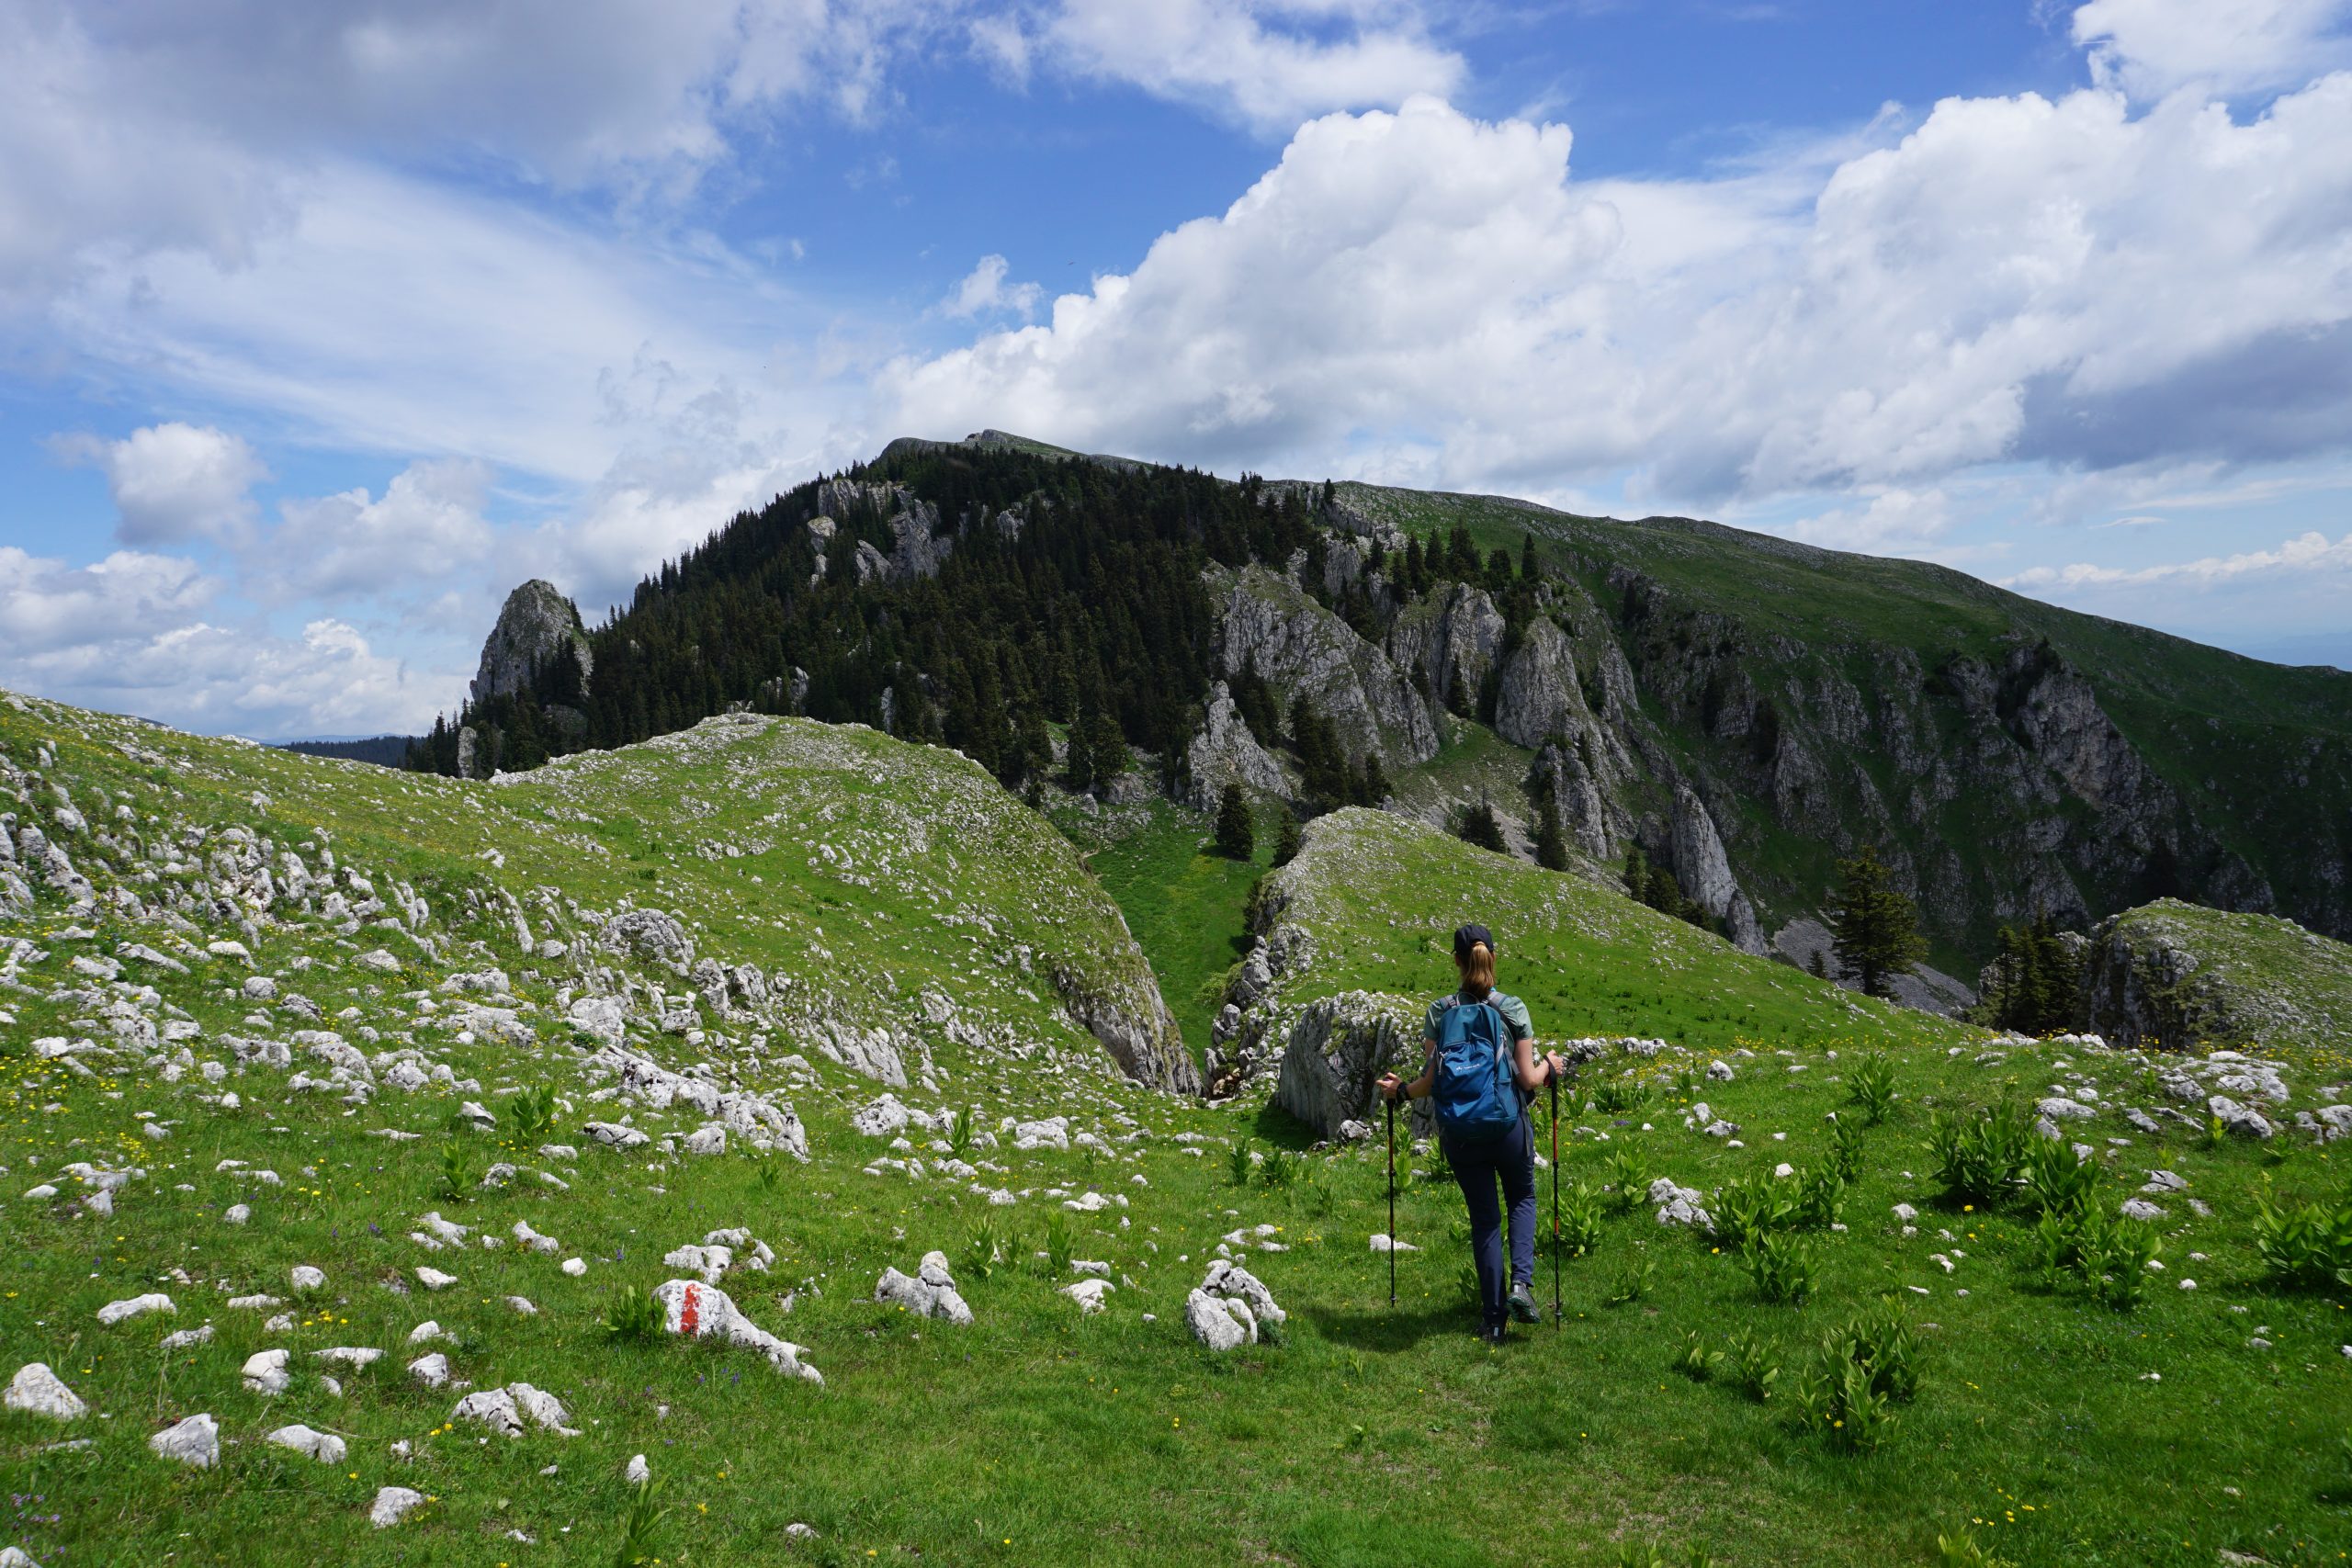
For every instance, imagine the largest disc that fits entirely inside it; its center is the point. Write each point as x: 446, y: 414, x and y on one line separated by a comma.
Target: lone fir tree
x: 1875, y: 930
x: 1235, y: 838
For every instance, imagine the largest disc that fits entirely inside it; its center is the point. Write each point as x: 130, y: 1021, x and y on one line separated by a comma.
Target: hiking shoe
x: 1522, y: 1306
x: 1493, y: 1334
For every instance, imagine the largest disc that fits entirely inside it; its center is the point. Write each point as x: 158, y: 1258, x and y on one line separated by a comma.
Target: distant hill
x: 385, y: 750
x: 1740, y: 709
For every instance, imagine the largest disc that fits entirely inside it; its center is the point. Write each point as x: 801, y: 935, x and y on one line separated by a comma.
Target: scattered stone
x: 930, y: 1293
x: 1681, y: 1205
x: 195, y: 1441
x: 38, y: 1392
x: 432, y: 1370
x: 691, y: 1308
x: 2141, y: 1209
x: 1381, y: 1243
x: 434, y: 1280
x: 324, y: 1446
x: 1088, y: 1294
x: 392, y: 1501
x: 637, y: 1472
x: 1231, y: 1308
x: 305, y: 1277
x: 265, y: 1371
x: 119, y: 1311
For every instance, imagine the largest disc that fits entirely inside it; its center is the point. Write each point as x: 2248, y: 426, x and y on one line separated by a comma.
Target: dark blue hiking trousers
x: 1478, y: 1164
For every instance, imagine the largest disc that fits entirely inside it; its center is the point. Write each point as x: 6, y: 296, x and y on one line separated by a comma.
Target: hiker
x: 1481, y: 1064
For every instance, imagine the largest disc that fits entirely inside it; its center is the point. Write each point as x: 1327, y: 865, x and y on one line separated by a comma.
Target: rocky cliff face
x: 1449, y: 640
x: 536, y: 627
x: 1266, y: 621
x: 1705, y: 872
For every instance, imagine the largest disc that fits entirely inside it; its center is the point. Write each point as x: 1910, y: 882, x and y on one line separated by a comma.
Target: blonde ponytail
x: 1478, y: 970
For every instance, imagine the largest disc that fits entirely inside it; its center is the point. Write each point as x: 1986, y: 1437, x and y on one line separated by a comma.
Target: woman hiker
x: 1481, y: 1065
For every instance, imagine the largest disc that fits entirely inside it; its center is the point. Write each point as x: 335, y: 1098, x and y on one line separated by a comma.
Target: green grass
x: 1184, y: 904
x: 1373, y: 1436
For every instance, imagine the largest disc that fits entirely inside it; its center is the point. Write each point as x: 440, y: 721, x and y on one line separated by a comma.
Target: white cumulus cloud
x: 2069, y: 283
x: 984, y: 291
x: 175, y: 482
x: 426, y: 527
x: 2307, y: 553
x: 2151, y: 47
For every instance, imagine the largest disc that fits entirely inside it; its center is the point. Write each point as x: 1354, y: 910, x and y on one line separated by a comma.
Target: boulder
x: 391, y: 1504
x: 931, y: 1292
x: 696, y: 1310
x: 324, y: 1446
x: 1337, y: 1050
x: 1231, y: 1308
x: 36, y: 1391
x: 195, y: 1441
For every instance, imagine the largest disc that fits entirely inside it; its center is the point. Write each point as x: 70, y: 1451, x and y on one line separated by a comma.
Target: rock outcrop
x: 1450, y: 639
x: 1266, y: 622
x: 1225, y: 752
x: 536, y: 627
x: 2175, y: 975
x: 1705, y: 871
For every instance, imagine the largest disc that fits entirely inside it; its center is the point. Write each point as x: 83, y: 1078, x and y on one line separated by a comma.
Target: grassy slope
x: 1375, y: 1437
x: 1382, y: 896
x: 1184, y: 903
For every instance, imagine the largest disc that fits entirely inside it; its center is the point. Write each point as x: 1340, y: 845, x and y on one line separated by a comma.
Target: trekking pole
x: 1392, y: 1204
x: 1557, y: 1315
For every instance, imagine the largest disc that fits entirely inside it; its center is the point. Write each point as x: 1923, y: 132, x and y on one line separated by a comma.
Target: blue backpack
x: 1475, y: 1091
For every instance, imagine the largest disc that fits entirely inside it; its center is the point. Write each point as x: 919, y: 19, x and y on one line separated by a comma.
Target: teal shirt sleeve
x: 1514, y: 1013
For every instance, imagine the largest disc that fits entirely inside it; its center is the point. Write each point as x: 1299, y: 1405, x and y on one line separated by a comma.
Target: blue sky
x: 320, y: 327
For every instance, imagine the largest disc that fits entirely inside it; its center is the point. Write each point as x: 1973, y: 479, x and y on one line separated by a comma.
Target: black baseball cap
x: 1468, y: 937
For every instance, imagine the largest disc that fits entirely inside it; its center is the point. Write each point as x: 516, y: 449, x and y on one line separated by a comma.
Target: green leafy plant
x: 955, y: 1129
x: 1753, y: 1364
x: 1236, y: 1164
x: 2057, y: 1177
x: 1629, y: 1179
x: 1783, y: 1266
x: 533, y: 1112
x: 645, y: 1511
x: 985, y: 1251
x: 1844, y: 1154
x: 1866, y: 1367
x: 1870, y: 1086
x: 2306, y: 1245
x: 1820, y: 1197
x: 1281, y: 1168
x: 771, y: 1177
x: 1465, y: 1286
x: 1694, y: 1360
x: 1621, y: 1095
x: 1978, y: 1157
x: 1634, y: 1282
x: 1752, y: 1206
x: 458, y: 1174
x: 1959, y: 1550
x: 1058, y: 1243
x: 1578, y: 1235
x: 2114, y: 1256
x: 634, y: 1314
x: 1440, y: 1170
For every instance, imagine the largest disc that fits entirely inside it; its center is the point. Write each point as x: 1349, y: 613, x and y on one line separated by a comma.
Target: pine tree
x: 1550, y: 844
x: 1875, y: 928
x: 1818, y: 965
x: 1530, y: 569
x: 1479, y: 826
x: 1375, y: 778
x: 1636, y: 874
x: 1235, y: 838
x: 1286, y: 841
